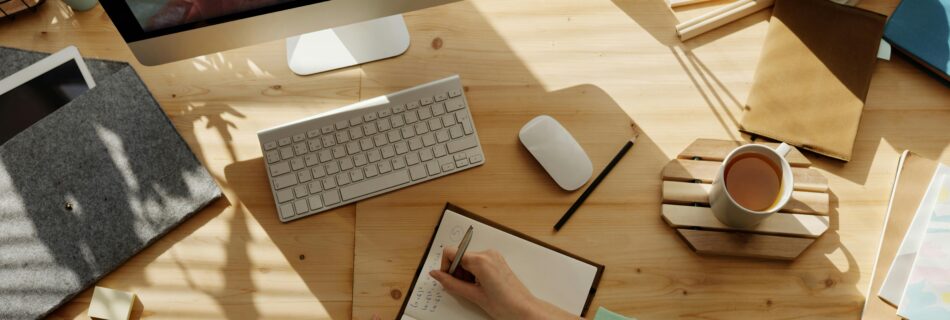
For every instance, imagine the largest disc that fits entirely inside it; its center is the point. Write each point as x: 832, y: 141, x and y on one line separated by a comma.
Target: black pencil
x: 593, y: 185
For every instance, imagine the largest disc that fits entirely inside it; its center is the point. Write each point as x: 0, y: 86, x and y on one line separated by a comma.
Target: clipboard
x: 467, y: 214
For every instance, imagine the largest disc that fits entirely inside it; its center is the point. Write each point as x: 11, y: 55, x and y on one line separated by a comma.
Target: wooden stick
x: 723, y: 19
x: 712, y: 14
x: 680, y: 3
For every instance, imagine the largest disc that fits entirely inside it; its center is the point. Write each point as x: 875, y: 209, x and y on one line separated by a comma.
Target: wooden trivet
x: 784, y: 236
x: 9, y: 8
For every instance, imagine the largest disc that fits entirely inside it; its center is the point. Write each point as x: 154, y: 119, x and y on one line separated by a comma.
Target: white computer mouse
x: 557, y: 151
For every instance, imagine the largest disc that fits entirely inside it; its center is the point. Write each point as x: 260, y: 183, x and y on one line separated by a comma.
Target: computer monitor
x: 356, y: 31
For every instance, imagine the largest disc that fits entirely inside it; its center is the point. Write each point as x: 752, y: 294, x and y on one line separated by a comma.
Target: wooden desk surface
x: 592, y: 61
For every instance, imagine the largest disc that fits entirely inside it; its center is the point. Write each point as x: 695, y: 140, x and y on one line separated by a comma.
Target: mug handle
x: 783, y: 149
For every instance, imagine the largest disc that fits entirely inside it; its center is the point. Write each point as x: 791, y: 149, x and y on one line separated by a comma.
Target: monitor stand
x: 348, y: 45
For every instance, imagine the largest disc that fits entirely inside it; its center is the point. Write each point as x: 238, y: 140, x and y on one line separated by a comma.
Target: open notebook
x: 553, y: 275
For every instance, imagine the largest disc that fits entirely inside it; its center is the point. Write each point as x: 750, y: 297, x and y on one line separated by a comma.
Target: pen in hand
x: 454, y: 269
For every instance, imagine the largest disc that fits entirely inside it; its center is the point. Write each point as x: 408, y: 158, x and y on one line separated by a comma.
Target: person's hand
x: 497, y: 290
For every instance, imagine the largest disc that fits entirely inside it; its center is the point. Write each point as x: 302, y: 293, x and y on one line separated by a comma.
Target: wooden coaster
x: 783, y: 236
x: 9, y: 8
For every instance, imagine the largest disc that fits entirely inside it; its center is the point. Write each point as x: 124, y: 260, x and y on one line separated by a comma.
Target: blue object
x: 920, y: 29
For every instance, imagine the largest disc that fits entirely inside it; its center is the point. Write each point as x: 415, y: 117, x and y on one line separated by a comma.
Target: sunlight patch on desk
x: 839, y: 259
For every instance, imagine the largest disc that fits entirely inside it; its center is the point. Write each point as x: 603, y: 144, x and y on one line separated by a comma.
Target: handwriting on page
x: 428, y: 292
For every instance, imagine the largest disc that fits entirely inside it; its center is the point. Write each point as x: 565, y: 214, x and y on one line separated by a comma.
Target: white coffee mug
x: 727, y: 210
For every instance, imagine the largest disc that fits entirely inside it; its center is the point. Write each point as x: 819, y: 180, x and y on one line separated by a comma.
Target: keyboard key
x: 301, y: 206
x: 315, y: 202
x: 300, y: 148
x: 285, y: 195
x: 331, y: 197
x: 435, y: 123
x: 296, y: 163
x: 301, y: 191
x: 454, y: 105
x: 411, y: 117
x: 421, y: 128
x: 417, y: 172
x: 333, y: 168
x: 284, y: 141
x: 384, y: 113
x: 448, y: 120
x: 374, y: 156
x: 433, y: 168
x: 329, y: 183
x: 338, y: 152
x: 408, y: 132
x: 327, y: 129
x: 401, y: 147
x: 415, y: 144
x: 343, y: 179
x: 385, y: 167
x: 428, y: 139
x: 342, y: 125
x: 352, y: 147
x: 366, y: 144
x: 304, y: 176
x: 458, y: 156
x: 342, y: 136
x: 311, y: 159
x: 425, y: 113
x: 467, y: 127
x: 442, y: 135
x: 394, y: 136
x: 369, y: 117
x: 399, y: 109
x: 360, y: 160
x: 356, y: 121
x: 412, y: 158
x: 379, y: 140
x: 439, y: 150
x: 314, y: 145
x: 356, y: 133
x: 328, y: 141
x: 318, y: 172
x: 370, y: 129
x: 346, y: 164
x: 325, y: 155
x: 272, y: 156
x: 461, y: 163
x: 441, y: 97
x: 426, y: 101
x: 374, y: 185
x: 286, y: 152
x: 270, y: 145
x: 383, y: 125
x: 279, y: 169
x: 438, y: 109
x: 287, y: 210
x: 455, y: 93
x: 462, y: 144
x: 456, y: 131
x: 426, y: 154
x: 388, y: 152
x: 412, y: 105
x: 284, y: 181
x: 448, y: 167
x: 313, y: 133
x: 356, y: 175
x: 371, y: 171
x: 399, y: 163
x: 315, y: 186
x: 299, y: 137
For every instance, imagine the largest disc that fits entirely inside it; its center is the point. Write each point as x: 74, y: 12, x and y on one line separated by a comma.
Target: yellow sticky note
x: 111, y: 304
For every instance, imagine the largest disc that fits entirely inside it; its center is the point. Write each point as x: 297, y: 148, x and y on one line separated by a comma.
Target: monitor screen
x: 35, y: 99
x: 161, y: 14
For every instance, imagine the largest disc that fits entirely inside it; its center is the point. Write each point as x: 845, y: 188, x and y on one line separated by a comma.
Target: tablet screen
x: 26, y: 104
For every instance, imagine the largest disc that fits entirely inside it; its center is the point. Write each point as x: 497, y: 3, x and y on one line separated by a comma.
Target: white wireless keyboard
x: 370, y: 148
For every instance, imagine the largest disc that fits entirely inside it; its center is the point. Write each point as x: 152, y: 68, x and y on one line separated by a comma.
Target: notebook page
x: 549, y: 275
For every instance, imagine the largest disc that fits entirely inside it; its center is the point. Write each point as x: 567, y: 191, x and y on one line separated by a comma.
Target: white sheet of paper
x: 896, y: 279
x: 549, y: 275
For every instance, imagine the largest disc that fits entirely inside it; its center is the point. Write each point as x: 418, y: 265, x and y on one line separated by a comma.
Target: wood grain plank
x: 717, y: 150
x: 744, y: 245
x: 804, y: 202
x: 805, y: 179
x: 787, y: 224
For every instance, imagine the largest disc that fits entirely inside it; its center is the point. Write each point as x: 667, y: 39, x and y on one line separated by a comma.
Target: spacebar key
x: 365, y: 187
